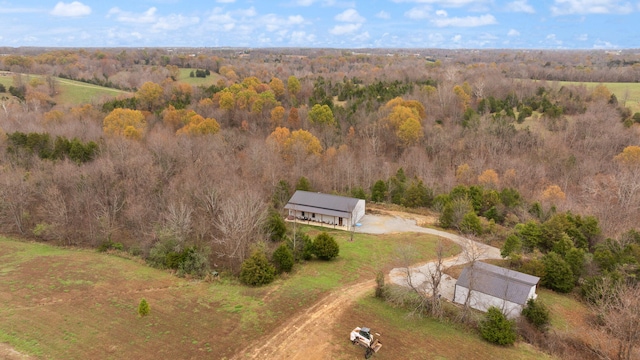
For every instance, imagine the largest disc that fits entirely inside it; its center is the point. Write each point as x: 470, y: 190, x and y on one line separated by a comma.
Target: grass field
x: 196, y: 81
x: 76, y: 92
x: 425, y: 338
x: 79, y: 304
x: 73, y: 92
x: 628, y: 91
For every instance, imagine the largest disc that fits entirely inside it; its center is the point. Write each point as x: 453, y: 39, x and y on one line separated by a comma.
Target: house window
x: 303, y: 214
x: 313, y: 215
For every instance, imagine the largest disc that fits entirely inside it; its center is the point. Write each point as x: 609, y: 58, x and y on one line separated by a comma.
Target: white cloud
x: 350, y: 15
x: 551, y: 38
x: 225, y: 1
x: 301, y: 37
x: 418, y: 13
x: 174, y: 22
x: 456, y: 38
x: 600, y: 44
x: 513, y: 32
x: 467, y: 21
x: 520, y: 6
x: 72, y: 9
x: 383, y: 15
x: 146, y: 17
x: 295, y: 19
x: 445, y: 3
x: 442, y: 13
x: 583, y: 37
x: 246, y: 12
x: 344, y: 29
x: 570, y: 7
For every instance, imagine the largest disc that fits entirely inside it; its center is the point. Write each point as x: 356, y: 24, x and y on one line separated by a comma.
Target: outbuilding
x: 326, y: 209
x: 488, y: 285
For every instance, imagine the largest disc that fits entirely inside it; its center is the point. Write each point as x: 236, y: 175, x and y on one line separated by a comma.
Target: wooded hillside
x: 203, y: 164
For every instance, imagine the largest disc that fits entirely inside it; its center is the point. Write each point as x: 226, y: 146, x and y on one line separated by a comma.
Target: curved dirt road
x: 309, y: 335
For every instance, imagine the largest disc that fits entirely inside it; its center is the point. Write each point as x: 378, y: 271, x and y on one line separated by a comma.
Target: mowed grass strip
x: 76, y: 92
x: 72, y: 92
x: 78, y: 304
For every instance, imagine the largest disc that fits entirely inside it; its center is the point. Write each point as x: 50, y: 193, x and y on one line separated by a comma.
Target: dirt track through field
x: 309, y: 335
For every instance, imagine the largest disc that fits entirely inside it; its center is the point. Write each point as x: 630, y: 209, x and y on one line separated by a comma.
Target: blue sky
x: 546, y: 24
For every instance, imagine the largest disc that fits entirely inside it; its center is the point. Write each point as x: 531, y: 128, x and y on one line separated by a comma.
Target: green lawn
x: 196, y: 81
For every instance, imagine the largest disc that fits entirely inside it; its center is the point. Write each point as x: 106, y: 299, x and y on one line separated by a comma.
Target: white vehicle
x: 362, y: 336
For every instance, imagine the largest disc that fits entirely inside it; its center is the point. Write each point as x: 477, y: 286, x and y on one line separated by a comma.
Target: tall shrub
x: 325, y: 246
x: 257, y: 270
x: 497, y: 329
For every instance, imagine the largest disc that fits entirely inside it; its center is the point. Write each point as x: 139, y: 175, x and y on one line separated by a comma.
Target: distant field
x: 76, y: 92
x: 73, y: 92
x: 630, y: 91
x: 196, y: 81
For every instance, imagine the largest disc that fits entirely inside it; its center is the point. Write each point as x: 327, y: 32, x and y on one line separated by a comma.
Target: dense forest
x: 206, y: 165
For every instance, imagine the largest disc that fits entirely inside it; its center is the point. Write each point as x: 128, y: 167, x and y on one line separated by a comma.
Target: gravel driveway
x: 384, y: 224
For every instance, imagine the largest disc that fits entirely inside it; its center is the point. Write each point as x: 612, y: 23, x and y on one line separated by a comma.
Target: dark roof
x: 322, y: 203
x: 499, y: 282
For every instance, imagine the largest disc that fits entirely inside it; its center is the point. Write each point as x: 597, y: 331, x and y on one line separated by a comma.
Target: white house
x: 325, y: 208
x: 492, y: 285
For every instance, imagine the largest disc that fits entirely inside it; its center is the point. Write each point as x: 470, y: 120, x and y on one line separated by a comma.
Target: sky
x: 449, y: 24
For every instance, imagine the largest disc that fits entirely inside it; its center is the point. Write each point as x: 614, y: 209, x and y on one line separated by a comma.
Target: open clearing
x: 71, y: 92
x: 79, y: 304
x: 196, y: 81
x: 629, y: 93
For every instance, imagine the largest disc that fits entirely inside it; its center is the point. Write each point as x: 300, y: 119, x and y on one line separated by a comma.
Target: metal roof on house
x: 499, y: 282
x: 328, y: 204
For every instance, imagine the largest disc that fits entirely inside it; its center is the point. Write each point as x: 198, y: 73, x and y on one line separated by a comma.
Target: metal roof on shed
x: 322, y: 203
x: 499, y: 282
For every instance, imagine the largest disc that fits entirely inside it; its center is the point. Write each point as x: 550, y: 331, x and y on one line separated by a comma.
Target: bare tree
x: 178, y: 220
x: 422, y: 282
x: 472, y: 252
x: 619, y: 310
x: 16, y: 194
x: 239, y: 223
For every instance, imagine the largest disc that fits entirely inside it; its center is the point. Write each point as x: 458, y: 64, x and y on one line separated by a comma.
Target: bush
x: 194, y: 261
x: 257, y: 270
x: 537, y: 314
x: 143, y: 308
x: 497, y: 329
x: 325, y: 247
x: 512, y: 245
x: 283, y: 259
x: 471, y: 224
x: 303, y: 249
x: 275, y: 226
x: 110, y: 245
x: 558, y: 275
x: 166, y: 254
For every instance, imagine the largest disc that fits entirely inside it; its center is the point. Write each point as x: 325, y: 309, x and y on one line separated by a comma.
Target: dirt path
x: 8, y: 353
x: 308, y: 335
